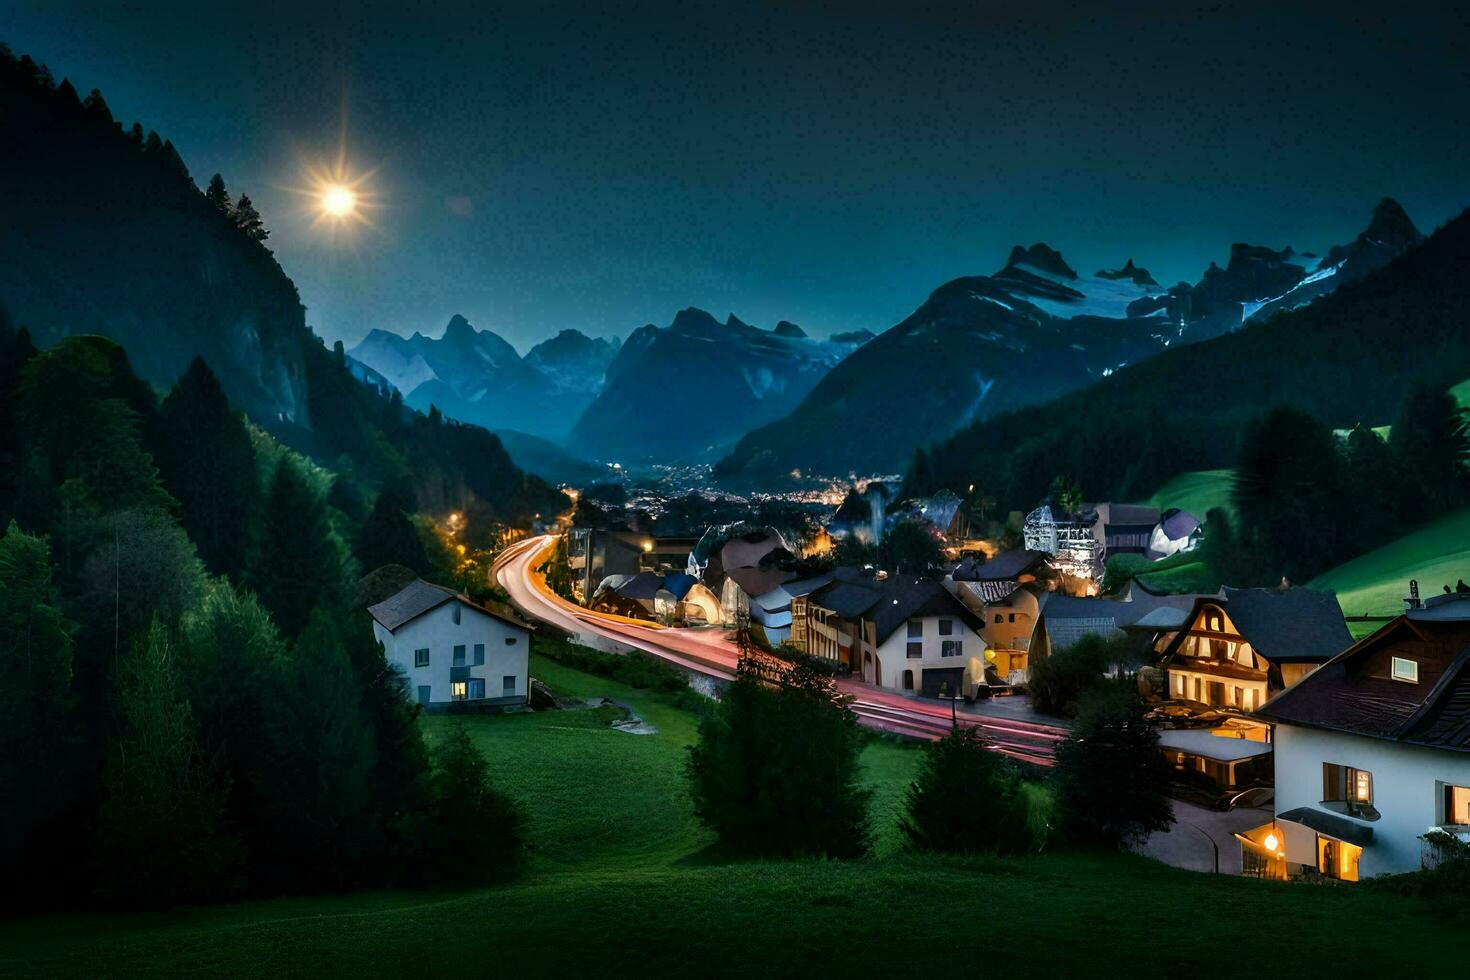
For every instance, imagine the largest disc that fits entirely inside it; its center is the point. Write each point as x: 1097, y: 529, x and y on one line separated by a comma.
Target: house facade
x: 453, y: 652
x: 1372, y: 753
x: 1240, y: 648
x: 900, y: 632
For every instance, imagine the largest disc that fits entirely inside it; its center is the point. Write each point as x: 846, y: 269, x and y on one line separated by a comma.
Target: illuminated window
x: 1215, y: 622
x: 1457, y: 805
x: 421, y: 657
x: 459, y: 690
x: 1352, y: 788
x: 1405, y: 670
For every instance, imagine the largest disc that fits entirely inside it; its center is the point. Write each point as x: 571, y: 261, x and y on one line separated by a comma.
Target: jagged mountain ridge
x: 689, y: 390
x: 984, y: 345
x: 477, y: 376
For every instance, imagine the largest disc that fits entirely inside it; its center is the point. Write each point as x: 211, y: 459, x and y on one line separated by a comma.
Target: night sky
x: 603, y: 168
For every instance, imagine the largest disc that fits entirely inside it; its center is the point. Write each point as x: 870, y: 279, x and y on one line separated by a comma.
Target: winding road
x: 712, y: 653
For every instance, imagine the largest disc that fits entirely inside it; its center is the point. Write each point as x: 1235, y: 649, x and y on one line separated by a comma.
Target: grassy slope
x: 1196, y: 492
x: 1375, y: 584
x: 620, y: 884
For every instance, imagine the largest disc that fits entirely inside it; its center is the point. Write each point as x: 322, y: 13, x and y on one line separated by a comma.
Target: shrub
x: 633, y: 669
x: 1057, y: 681
x: 474, y: 831
x: 966, y: 799
x: 775, y: 769
x: 1110, y: 775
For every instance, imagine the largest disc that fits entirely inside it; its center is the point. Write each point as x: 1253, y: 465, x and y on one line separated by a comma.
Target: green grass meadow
x: 622, y: 882
x: 1196, y: 492
x: 1375, y: 584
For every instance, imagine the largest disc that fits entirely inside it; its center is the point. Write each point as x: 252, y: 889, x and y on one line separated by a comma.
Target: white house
x: 900, y: 632
x: 1372, y: 753
x: 452, y: 650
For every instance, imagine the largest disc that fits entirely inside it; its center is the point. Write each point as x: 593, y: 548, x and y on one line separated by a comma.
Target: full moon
x: 338, y: 201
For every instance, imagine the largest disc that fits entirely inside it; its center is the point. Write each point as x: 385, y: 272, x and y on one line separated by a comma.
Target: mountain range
x: 689, y: 390
x: 982, y: 346
x: 476, y: 376
x: 1348, y: 357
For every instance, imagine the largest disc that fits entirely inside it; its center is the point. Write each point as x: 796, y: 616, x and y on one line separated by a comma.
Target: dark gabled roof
x: 1354, y: 693
x: 1178, y: 524
x: 419, y: 597
x: 1296, y: 625
x: 906, y: 597
x: 847, y: 599
x: 1006, y: 565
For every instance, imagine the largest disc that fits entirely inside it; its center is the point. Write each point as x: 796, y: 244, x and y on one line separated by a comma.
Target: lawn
x: 1374, y: 584
x: 1195, y: 491
x: 621, y: 883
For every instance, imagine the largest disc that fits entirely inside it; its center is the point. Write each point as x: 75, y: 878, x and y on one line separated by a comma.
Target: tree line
x: 776, y: 773
x: 192, y: 702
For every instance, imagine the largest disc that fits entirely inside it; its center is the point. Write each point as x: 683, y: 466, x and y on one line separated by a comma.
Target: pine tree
x: 209, y: 465
x: 162, y: 827
x: 476, y: 831
x: 136, y: 135
x: 35, y: 674
x: 389, y: 536
x: 964, y: 799
x: 1111, y: 778
x: 297, y: 562
x: 248, y: 219
x: 1431, y: 444
x: 96, y: 106
x: 216, y: 194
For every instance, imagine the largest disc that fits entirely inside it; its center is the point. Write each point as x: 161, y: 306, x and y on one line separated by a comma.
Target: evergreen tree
x: 323, y: 807
x: 162, y: 827
x: 35, y: 674
x: 209, y: 465
x: 135, y: 135
x: 476, y: 831
x: 96, y: 106
x: 1431, y: 444
x: 964, y: 799
x: 1065, y: 495
x: 909, y: 548
x: 775, y: 770
x: 248, y: 219
x: 389, y: 536
x: 297, y: 563
x: 1375, y: 487
x: 1111, y: 778
x: 235, y: 666
x: 216, y: 194
x: 401, y: 778
x: 1289, y: 482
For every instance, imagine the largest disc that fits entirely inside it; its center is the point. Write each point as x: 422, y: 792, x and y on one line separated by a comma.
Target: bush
x: 966, y: 799
x: 1110, y: 775
x: 633, y: 669
x: 474, y: 831
x: 1057, y: 681
x: 775, y: 769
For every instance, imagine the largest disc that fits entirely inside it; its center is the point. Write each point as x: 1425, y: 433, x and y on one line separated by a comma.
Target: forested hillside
x: 1350, y: 357
x: 104, y: 232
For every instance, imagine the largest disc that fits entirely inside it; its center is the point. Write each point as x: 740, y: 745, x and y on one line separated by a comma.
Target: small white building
x: 453, y: 651
x: 1372, y: 753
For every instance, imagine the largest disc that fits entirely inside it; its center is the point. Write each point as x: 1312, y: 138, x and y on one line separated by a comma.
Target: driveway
x: 1191, y: 842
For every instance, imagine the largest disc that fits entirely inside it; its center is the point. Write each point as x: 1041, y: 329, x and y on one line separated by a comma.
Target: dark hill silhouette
x: 105, y: 233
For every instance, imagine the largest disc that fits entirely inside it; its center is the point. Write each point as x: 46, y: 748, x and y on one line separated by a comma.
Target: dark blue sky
x: 603, y: 167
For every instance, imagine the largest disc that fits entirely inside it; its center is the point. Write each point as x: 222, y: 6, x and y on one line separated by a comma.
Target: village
x: 1331, y: 758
